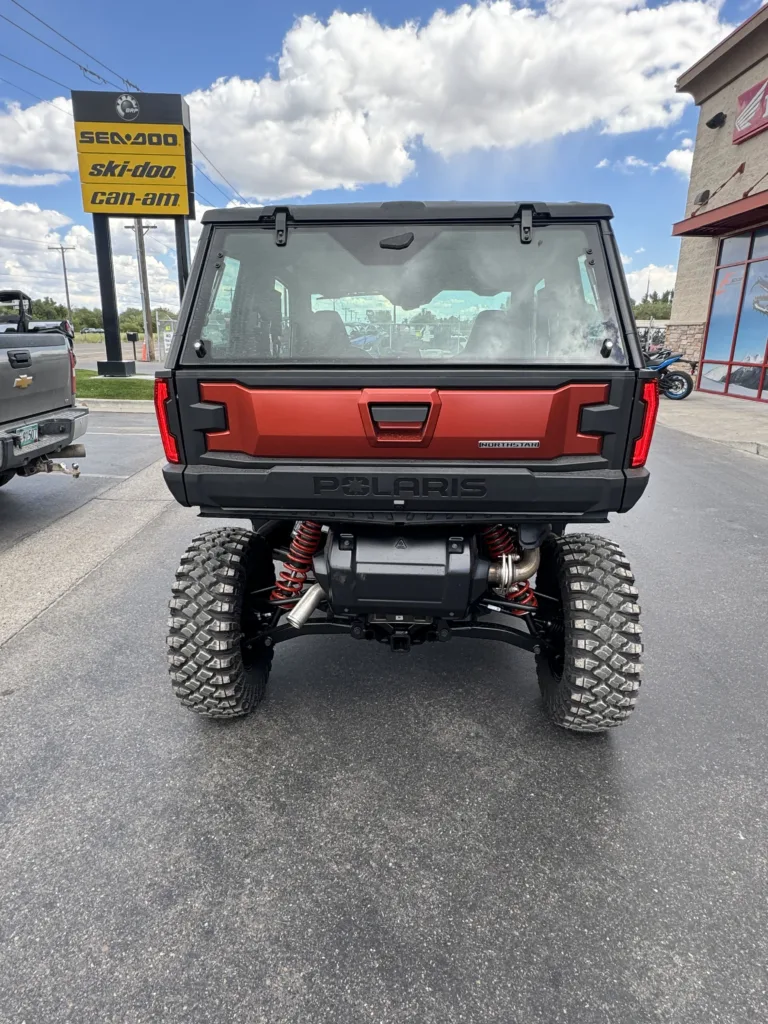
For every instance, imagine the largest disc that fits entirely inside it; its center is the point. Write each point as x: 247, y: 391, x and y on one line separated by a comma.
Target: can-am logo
x: 402, y: 486
x: 127, y: 107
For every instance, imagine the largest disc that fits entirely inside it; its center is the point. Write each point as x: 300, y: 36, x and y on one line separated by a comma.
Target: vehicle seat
x: 325, y: 337
x: 496, y: 335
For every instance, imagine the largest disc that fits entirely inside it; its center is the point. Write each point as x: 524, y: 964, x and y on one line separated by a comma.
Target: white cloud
x: 626, y: 260
x: 662, y: 279
x: 352, y: 97
x: 603, y: 163
x: 26, y: 231
x: 638, y: 251
x: 38, y: 138
x: 680, y: 160
x: 32, y: 180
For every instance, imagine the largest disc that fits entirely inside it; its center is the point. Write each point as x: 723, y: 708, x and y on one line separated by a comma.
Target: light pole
x: 141, y: 256
x: 62, y: 249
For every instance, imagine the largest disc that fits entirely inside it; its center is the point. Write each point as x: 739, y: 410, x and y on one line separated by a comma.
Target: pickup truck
x: 39, y: 415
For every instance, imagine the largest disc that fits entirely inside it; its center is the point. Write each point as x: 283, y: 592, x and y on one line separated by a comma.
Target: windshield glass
x: 350, y: 293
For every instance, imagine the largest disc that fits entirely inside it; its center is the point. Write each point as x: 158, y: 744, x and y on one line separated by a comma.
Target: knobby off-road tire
x: 212, y: 671
x: 589, y: 679
x: 5, y: 478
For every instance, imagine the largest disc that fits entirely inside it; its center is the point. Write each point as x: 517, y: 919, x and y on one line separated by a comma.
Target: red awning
x: 739, y: 215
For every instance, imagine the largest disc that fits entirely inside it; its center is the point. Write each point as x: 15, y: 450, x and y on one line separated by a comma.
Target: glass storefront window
x: 713, y: 376
x: 760, y: 244
x: 734, y: 249
x: 752, y: 335
x: 722, y: 319
x: 736, y: 347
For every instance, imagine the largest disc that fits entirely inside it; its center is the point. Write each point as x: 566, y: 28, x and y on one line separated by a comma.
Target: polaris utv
x: 406, y: 404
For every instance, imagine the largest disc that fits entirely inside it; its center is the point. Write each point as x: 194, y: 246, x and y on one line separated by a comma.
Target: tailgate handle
x: 399, y: 417
x: 19, y: 359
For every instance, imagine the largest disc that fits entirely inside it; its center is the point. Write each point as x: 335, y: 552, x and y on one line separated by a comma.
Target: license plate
x: 26, y: 436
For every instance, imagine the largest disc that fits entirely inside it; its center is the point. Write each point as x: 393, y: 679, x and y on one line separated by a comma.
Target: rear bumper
x: 56, y: 430
x: 407, y: 492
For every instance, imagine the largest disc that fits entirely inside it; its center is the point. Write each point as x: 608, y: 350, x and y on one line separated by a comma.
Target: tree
x: 48, y: 309
x: 379, y: 316
x: 84, y: 317
x: 132, y: 319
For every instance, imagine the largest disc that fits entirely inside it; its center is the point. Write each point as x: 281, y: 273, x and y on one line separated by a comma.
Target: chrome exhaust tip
x: 299, y: 615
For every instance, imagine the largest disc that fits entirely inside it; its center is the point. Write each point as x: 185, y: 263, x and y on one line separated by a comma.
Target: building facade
x: 720, y: 309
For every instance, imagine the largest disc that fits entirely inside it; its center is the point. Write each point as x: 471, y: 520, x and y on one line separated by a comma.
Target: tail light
x: 72, y: 364
x: 162, y: 397
x: 650, y: 398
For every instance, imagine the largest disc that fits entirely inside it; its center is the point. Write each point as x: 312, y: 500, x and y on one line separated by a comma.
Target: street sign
x: 134, y: 154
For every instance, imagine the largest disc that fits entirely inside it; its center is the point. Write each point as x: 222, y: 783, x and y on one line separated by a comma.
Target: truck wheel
x: 589, y: 671
x: 220, y: 597
x: 5, y: 478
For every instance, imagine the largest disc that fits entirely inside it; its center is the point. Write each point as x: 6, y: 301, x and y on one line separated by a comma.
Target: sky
x: 310, y: 101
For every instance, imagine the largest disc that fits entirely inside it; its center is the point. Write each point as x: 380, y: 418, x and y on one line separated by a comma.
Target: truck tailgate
x: 35, y: 375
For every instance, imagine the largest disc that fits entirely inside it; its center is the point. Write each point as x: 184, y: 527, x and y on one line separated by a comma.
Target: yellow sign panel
x: 126, y: 139
x: 132, y: 200
x: 132, y: 169
x: 106, y: 169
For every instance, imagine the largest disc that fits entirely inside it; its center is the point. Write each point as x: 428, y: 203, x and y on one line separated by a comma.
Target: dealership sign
x: 752, y: 113
x: 134, y: 153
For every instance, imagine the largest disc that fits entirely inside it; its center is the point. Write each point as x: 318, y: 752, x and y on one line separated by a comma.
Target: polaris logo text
x: 509, y: 444
x: 402, y: 486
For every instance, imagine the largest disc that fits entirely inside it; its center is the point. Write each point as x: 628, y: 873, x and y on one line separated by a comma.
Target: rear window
x: 348, y: 294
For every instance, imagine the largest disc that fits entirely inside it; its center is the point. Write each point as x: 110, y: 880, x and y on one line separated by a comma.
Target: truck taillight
x: 162, y: 397
x: 650, y: 398
x: 72, y: 364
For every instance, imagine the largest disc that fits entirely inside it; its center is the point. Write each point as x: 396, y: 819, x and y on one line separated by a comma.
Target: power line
x: 34, y: 95
x: 86, y: 71
x: 38, y: 73
x: 19, y: 238
x: 213, y: 165
x: 125, y: 81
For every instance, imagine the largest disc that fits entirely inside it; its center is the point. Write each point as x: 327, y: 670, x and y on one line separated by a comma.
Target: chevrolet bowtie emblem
x: 23, y: 381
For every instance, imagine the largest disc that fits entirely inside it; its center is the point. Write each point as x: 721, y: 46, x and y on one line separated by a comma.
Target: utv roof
x: 412, y: 211
x: 9, y: 294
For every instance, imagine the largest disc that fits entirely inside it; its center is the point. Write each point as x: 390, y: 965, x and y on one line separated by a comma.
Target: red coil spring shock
x: 499, y: 541
x: 522, y: 593
x: 293, y: 575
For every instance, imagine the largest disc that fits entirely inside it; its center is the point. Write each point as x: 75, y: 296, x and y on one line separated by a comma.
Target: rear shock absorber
x: 500, y: 541
x: 292, y: 577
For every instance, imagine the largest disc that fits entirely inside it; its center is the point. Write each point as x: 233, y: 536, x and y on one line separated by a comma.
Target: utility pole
x: 62, y: 249
x: 141, y: 256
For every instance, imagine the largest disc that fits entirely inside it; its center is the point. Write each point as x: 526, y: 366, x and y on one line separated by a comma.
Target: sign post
x: 134, y: 155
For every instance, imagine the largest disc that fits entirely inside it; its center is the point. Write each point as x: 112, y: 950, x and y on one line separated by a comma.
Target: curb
x: 753, y: 447
x: 117, y: 404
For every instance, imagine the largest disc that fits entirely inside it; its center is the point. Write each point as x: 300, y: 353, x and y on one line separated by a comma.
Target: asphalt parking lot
x: 389, y: 838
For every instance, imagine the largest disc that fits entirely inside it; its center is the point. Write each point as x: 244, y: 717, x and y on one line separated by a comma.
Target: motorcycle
x: 675, y: 384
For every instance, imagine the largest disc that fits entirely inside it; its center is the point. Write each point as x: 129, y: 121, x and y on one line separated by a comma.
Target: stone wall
x: 688, y: 339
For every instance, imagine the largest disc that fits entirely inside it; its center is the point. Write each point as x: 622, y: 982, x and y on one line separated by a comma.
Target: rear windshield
x: 399, y: 293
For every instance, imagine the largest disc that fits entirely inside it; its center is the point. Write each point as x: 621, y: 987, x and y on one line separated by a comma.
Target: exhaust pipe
x: 503, y: 574
x: 299, y: 615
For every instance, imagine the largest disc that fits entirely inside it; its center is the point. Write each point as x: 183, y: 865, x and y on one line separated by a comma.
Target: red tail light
x: 162, y: 396
x: 72, y: 364
x: 650, y: 397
